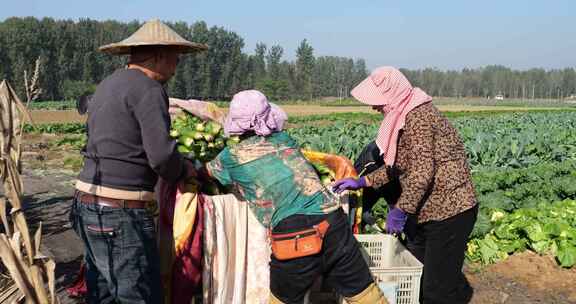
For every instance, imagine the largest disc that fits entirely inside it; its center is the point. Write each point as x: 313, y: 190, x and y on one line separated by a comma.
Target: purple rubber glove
x: 395, y: 220
x: 349, y: 184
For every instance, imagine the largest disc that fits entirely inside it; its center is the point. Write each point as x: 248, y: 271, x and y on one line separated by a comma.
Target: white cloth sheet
x: 236, y: 253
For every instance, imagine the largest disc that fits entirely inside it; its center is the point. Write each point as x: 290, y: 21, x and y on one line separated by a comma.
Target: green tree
x: 274, y: 89
x: 260, y: 62
x: 68, y: 52
x: 304, y: 69
x: 359, y: 71
x: 273, y: 61
x: 198, y: 69
x: 75, y: 88
x: 569, y: 81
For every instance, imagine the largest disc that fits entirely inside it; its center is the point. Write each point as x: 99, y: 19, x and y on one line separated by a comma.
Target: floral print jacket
x: 274, y: 177
x: 431, y: 167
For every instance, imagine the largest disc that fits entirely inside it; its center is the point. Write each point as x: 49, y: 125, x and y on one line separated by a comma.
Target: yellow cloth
x: 340, y: 165
x: 184, y: 216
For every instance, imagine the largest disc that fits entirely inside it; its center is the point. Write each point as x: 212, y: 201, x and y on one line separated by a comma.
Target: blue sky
x: 447, y: 34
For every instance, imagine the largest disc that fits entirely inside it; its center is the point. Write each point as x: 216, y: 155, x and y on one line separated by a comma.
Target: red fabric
x: 187, y: 264
x: 167, y: 204
x: 79, y: 289
x: 388, y: 87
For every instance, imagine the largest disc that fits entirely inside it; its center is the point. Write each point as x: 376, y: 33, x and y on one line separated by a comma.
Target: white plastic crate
x: 392, y: 264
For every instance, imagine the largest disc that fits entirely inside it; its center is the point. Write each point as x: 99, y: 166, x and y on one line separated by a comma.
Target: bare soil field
x: 49, y: 116
x: 45, y: 116
x: 525, y: 278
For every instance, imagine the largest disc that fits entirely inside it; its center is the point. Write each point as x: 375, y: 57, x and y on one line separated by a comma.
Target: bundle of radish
x: 197, y: 139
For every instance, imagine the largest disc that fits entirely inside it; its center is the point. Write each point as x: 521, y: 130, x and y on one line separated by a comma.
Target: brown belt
x: 87, y: 198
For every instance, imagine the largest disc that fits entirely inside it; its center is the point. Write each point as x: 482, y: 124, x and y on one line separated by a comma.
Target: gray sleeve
x: 151, y: 112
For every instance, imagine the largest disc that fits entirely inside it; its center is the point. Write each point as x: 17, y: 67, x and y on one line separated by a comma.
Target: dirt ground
x: 522, y: 279
x: 47, y: 198
x: 45, y: 116
x: 539, y: 273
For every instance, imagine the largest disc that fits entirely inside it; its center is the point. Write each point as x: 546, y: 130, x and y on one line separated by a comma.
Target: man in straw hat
x: 128, y: 148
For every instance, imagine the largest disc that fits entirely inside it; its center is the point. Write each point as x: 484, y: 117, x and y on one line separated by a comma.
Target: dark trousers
x: 340, y: 262
x: 121, y: 255
x: 441, y: 246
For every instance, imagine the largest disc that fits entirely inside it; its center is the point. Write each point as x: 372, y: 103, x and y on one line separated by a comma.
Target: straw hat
x: 153, y: 32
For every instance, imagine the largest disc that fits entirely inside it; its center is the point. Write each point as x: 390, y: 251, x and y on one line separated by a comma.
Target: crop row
x: 56, y: 128
x: 511, y: 140
x: 506, y: 141
x: 512, y: 189
x: 53, y: 105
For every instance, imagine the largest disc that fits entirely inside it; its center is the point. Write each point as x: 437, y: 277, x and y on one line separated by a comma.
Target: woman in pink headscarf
x: 436, y: 207
x: 310, y: 233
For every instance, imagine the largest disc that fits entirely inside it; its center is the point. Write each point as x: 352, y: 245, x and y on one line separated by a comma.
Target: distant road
x: 45, y: 116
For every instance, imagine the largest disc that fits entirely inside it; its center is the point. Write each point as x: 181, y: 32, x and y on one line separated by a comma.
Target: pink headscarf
x: 251, y: 111
x: 388, y: 87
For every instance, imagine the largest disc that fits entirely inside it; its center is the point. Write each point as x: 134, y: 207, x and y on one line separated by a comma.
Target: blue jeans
x: 121, y: 254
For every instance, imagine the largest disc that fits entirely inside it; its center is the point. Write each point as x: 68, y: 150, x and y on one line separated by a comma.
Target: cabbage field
x: 524, y: 169
x: 496, y: 141
x: 523, y: 164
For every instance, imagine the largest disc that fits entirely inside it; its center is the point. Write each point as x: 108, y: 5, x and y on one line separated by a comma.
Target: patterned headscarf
x: 388, y: 87
x: 251, y: 111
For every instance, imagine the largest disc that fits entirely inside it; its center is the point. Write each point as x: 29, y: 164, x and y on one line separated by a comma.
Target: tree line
x: 495, y: 80
x: 71, y: 65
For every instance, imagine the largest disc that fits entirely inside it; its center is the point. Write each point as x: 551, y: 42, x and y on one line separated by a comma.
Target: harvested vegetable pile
x: 199, y: 139
x: 548, y: 228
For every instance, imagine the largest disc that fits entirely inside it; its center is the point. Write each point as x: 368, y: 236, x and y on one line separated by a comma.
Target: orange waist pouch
x: 286, y: 246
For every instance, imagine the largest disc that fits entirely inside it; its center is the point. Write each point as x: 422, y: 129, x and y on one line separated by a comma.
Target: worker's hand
x: 349, y: 184
x: 191, y: 170
x: 396, y: 220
